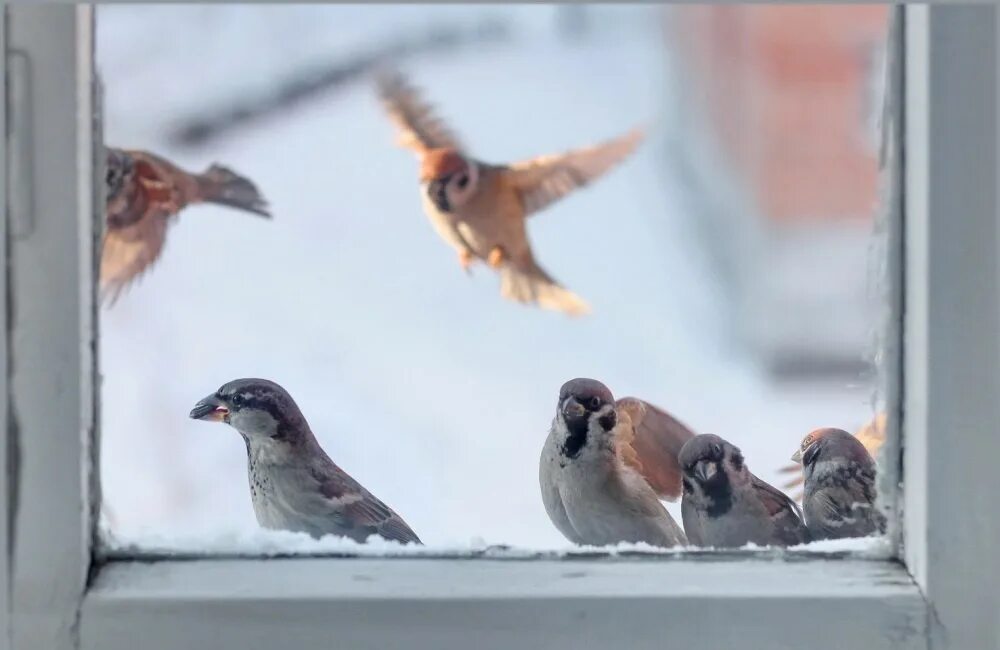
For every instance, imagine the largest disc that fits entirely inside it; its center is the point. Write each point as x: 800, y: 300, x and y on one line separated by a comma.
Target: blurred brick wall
x: 789, y: 92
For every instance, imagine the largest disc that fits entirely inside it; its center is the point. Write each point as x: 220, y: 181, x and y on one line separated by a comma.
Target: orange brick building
x: 778, y: 114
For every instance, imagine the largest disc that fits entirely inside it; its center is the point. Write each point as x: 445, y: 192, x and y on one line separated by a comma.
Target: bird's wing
x: 357, y: 508
x: 129, y: 251
x: 655, y: 442
x: 692, y: 523
x: 784, y: 513
x: 872, y: 435
x: 834, y: 512
x: 546, y: 179
x: 419, y: 128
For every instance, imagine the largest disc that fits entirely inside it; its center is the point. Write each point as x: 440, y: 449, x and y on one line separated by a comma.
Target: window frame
x: 942, y: 360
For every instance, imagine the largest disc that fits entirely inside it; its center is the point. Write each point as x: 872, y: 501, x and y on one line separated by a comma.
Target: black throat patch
x: 577, y: 437
x: 720, y: 494
x: 438, y: 195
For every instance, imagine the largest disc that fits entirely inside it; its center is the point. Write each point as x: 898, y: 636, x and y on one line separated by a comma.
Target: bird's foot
x: 465, y: 260
x: 496, y: 257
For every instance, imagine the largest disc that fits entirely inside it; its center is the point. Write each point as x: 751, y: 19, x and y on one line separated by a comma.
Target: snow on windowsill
x: 274, y: 543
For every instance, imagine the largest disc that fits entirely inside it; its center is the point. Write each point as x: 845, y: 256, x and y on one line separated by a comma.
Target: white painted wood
x: 51, y: 329
x: 484, y: 604
x: 952, y: 322
x: 5, y: 495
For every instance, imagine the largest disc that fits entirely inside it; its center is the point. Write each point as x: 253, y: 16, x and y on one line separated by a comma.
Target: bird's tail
x: 533, y: 285
x: 226, y: 187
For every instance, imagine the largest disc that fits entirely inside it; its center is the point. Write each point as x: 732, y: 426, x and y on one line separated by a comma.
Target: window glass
x: 726, y: 262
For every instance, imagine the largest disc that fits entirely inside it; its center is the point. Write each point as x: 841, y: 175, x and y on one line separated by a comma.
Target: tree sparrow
x: 480, y: 208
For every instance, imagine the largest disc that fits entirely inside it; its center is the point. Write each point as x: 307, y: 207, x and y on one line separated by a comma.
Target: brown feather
x: 138, y: 217
x: 543, y: 180
x: 653, y: 444
x: 419, y: 128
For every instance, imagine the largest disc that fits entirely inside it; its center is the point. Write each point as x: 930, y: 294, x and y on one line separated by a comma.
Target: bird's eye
x: 236, y: 400
x: 595, y: 403
x: 717, y: 450
x: 463, y: 180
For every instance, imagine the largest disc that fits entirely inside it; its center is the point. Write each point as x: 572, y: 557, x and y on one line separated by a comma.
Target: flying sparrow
x: 605, y: 466
x: 293, y: 483
x: 724, y: 505
x: 872, y: 436
x: 839, y: 486
x: 480, y: 208
x: 143, y: 192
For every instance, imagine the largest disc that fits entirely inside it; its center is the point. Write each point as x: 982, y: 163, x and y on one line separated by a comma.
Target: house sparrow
x: 839, y: 486
x: 293, y: 483
x: 605, y: 465
x: 480, y: 208
x: 143, y: 192
x: 872, y: 436
x: 724, y: 505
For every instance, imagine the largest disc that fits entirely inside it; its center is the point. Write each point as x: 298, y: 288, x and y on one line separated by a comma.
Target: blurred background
x: 729, y: 262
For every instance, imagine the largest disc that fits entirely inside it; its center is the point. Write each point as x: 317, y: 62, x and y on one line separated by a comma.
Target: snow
x: 419, y: 381
x: 281, y: 543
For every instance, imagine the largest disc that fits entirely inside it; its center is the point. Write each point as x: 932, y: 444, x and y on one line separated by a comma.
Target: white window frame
x: 943, y: 363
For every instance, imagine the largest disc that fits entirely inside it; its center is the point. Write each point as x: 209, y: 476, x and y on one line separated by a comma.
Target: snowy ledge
x: 260, y: 543
x: 453, y: 604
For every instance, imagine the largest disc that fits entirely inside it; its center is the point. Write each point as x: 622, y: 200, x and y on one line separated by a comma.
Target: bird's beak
x: 797, y: 456
x: 705, y: 469
x: 573, y: 409
x: 211, y: 409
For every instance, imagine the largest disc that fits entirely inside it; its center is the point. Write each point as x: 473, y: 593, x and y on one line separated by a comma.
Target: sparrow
x: 480, y: 208
x: 293, y: 483
x: 144, y: 192
x: 839, y: 486
x: 725, y: 505
x: 606, y: 464
x: 872, y: 436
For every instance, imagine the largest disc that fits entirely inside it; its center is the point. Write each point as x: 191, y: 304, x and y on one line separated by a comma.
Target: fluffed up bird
x: 726, y: 506
x: 839, y: 486
x: 293, y: 483
x: 480, y: 208
x: 144, y: 192
x: 872, y: 436
x: 606, y: 464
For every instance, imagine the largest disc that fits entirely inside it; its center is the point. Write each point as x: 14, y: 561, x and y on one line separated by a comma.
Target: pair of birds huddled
x: 479, y: 209
x: 604, y: 468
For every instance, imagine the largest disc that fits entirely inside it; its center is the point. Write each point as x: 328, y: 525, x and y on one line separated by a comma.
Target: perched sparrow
x: 143, y: 192
x: 480, y: 208
x: 605, y: 466
x: 839, y: 486
x: 293, y: 483
x: 724, y: 505
x: 872, y: 435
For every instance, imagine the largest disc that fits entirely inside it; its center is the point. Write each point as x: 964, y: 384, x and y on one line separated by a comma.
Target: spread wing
x: 544, y: 180
x: 359, y: 512
x: 419, y: 128
x: 657, y: 438
x: 128, y: 251
x: 783, y: 513
x: 137, y: 220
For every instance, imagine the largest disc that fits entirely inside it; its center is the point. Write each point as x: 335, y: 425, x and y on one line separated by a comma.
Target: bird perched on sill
x: 480, y: 209
x: 606, y: 464
x: 871, y: 435
x: 839, y: 486
x: 293, y: 483
x: 726, y: 506
x: 144, y: 193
